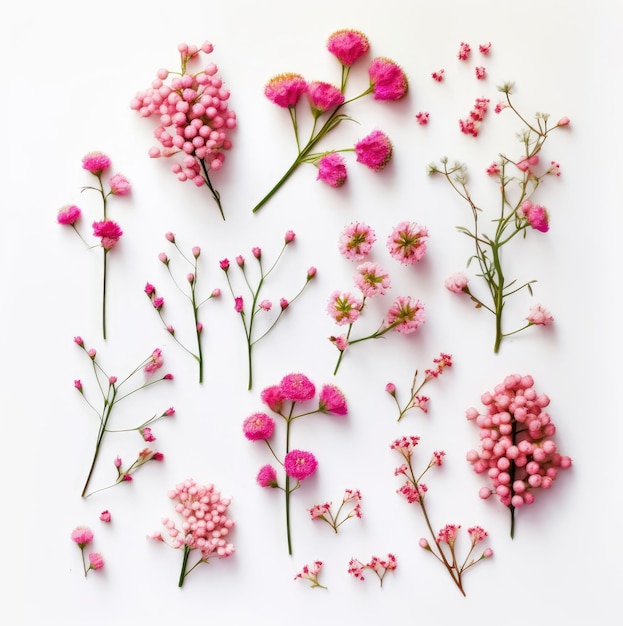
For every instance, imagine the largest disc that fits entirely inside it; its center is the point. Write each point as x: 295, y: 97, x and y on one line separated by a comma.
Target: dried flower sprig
x: 205, y: 528
x: 261, y: 306
x: 192, y: 279
x: 311, y: 572
x: 379, y: 566
x: 517, y: 451
x: 414, y: 491
x: 108, y: 231
x: 297, y: 464
x: 83, y: 536
x: 324, y: 512
x: 417, y: 401
x: 112, y: 391
x: 387, y: 82
x: 194, y: 118
x: 518, y: 179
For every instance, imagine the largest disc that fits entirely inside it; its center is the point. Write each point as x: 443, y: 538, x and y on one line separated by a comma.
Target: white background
x: 70, y: 71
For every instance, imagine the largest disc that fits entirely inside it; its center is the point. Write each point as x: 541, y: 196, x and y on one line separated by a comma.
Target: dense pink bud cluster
x: 471, y: 124
x: 379, y: 566
x: 517, y: 449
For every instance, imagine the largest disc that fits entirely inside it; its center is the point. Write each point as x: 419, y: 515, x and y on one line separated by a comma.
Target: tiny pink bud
x: 118, y: 462
x: 564, y: 121
x: 78, y: 341
x: 163, y: 258
x: 257, y: 252
x: 170, y: 237
x: 127, y: 477
x: 240, y: 260
x: 190, y: 278
x: 112, y: 380
x: 238, y: 304
x: 170, y: 411
x: 167, y: 377
x: 199, y: 327
x: 390, y: 388
x: 92, y: 352
x: 196, y: 251
x: 215, y: 293
x: 283, y: 303
x: 311, y: 272
x: 78, y: 385
x: 150, y: 289
x: 170, y: 329
x: 224, y: 264
x: 105, y: 516
x: 289, y: 237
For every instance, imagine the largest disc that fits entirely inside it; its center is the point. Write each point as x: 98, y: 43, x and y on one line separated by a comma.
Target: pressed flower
x: 267, y: 476
x: 332, y: 169
x: 348, y: 45
x: 323, y: 97
x: 68, y: 215
x: 300, y: 464
x: 286, y: 89
x: 407, y: 242
x: 371, y: 279
x: 374, y: 150
x: 387, y: 79
x: 258, y: 426
x: 297, y: 387
x: 332, y: 400
x: 405, y: 315
x: 95, y: 162
x: 356, y: 241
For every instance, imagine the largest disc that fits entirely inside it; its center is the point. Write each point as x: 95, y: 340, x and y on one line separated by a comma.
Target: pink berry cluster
x: 194, y: 117
x: 517, y: 448
x: 83, y: 536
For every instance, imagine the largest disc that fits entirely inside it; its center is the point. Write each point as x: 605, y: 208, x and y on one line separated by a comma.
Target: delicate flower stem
x: 215, y: 194
x: 184, y: 565
x: 104, y: 296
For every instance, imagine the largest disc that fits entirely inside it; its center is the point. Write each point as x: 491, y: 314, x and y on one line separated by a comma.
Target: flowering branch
x: 323, y: 511
x: 379, y: 566
x: 83, y: 536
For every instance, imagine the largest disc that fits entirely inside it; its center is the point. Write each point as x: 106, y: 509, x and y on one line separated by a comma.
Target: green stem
x: 279, y: 184
x: 104, y: 296
x: 215, y: 194
x: 184, y: 565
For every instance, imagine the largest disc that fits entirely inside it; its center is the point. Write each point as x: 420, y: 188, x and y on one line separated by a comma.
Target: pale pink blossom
x: 311, y: 572
x: 448, y: 534
x: 341, y: 342
x: 371, y: 279
x: 344, y: 308
x: 82, y: 535
x: 348, y: 45
x: 457, y: 282
x: 96, y: 561
x: 265, y: 305
x: 539, y: 316
x: 119, y: 185
x: 405, y: 315
x: 155, y: 362
x: 356, y: 241
x: 471, y: 124
x: 407, y: 242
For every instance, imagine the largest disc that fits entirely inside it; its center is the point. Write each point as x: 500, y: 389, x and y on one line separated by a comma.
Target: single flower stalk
x: 83, y: 536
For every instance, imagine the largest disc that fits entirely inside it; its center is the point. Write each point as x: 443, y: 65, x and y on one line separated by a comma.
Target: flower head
x: 407, y: 242
x: 332, y: 400
x: 405, y: 315
x: 300, y: 464
x: 356, y: 241
x: 267, y: 476
x: 348, y: 45
x: 105, y: 516
x: 343, y: 307
x: 82, y: 535
x: 457, y: 282
x: 536, y: 215
x: 332, y: 170
x: 285, y: 89
x: 95, y: 162
x: 374, y: 150
x: 119, y: 185
x: 273, y: 397
x: 109, y: 231
x: 68, y: 215
x: 96, y: 561
x: 297, y: 388
x: 258, y: 427
x: 387, y: 79
x: 323, y: 97
x: 539, y: 316
x: 372, y: 279
x: 155, y: 362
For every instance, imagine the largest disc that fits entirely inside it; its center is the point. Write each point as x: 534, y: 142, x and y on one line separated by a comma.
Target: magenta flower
x: 323, y: 97
x: 356, y: 241
x: 258, y: 427
x: 387, y: 79
x: 348, y: 45
x: 374, y: 150
x: 371, y: 279
x: 82, y: 535
x: 407, y: 242
x: 109, y: 231
x: 267, y: 476
x: 155, y: 362
x: 285, y: 89
x: 273, y: 397
x: 405, y: 315
x: 344, y: 308
x: 95, y: 162
x: 300, y: 464
x: 96, y: 561
x: 68, y: 215
x: 119, y: 185
x: 332, y: 400
x: 332, y: 170
x: 297, y: 387
x: 536, y: 215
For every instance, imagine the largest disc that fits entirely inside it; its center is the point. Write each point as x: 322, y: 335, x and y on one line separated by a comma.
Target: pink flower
x: 341, y: 343
x: 536, y: 215
x: 438, y: 75
x: 273, y: 397
x: 146, y: 434
x: 297, y: 387
x: 283, y: 303
x: 289, y: 236
x: 372, y: 279
x: 95, y: 162
x: 239, y: 304
x: 448, y: 534
x: 356, y: 241
x: 82, y: 535
x: 344, y: 308
x: 109, y: 231
x: 526, y: 163
x: 158, y: 303
x: 224, y: 264
x: 391, y: 389
x: 405, y: 315
x: 258, y: 427
x: 285, y: 89
x: 387, y: 79
x: 323, y: 97
x: 457, y: 282
x: 484, y: 48
x: 265, y: 305
x: 300, y: 464
x: 471, y: 124
x: 105, y: 516
x: 464, y: 51
x: 96, y: 561
x: 155, y: 362
x: 149, y: 289
x: 407, y: 243
x: 68, y: 215
x: 348, y: 45
x: 78, y: 385
x: 442, y: 361
x: 493, y: 169
x: 477, y: 534
x: 318, y: 510
x: 481, y: 73
x: 422, y: 118
x: 374, y: 150
x: 119, y: 185
x: 267, y: 476
x: 332, y: 170
x: 332, y: 401
x: 311, y: 572
x: 539, y: 316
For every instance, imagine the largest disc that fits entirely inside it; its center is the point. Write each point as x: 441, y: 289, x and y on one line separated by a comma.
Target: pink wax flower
x: 348, y: 45
x: 493, y: 169
x: 267, y: 476
x: 258, y: 427
x: 323, y: 97
x: 407, y: 242
x: 324, y: 512
x: 332, y: 400
x: 485, y: 48
x: 297, y: 387
x: 539, y: 316
x: 372, y: 280
x: 96, y: 561
x: 289, y: 236
x: 95, y: 162
x: 109, y: 231
x: 356, y: 241
x: 343, y: 307
x: 119, y: 185
x: 387, y: 79
x: 341, y: 342
x: 82, y: 535
x: 405, y: 315
x: 379, y: 566
x: 332, y: 170
x: 238, y: 304
x: 536, y: 215
x: 68, y: 215
x: 374, y: 150
x: 285, y: 89
x: 105, y: 516
x: 300, y: 464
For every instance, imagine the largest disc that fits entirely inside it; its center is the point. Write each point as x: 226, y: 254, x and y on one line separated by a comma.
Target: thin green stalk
x: 184, y: 565
x: 215, y: 194
x: 104, y: 296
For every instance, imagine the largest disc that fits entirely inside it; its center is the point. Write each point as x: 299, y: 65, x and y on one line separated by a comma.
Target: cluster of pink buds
x: 83, y: 536
x: 194, y: 118
x: 471, y: 124
x: 205, y: 526
x: 379, y: 566
x: 311, y: 572
x: 323, y: 512
x: 517, y: 449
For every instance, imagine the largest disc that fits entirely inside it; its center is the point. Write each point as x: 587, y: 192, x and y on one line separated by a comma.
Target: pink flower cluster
x: 517, y: 448
x: 194, y: 117
x: 324, y: 511
x: 83, y: 536
x: 379, y: 566
x: 311, y: 572
x: 471, y: 124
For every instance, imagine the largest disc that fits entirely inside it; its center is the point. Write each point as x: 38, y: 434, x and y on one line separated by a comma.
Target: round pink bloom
x: 341, y: 343
x: 267, y: 476
x: 372, y: 279
x: 273, y: 397
x: 285, y: 89
x: 387, y: 79
x: 332, y: 170
x: 105, y: 516
x: 536, y: 215
x: 348, y: 45
x: 324, y: 96
x: 96, y: 560
x: 344, y: 308
x: 146, y: 434
x: 539, y: 316
x: 82, y: 535
x: 95, y: 162
x: 68, y: 215
x: 297, y: 387
x: 119, y: 185
x: 406, y: 313
x: 457, y: 282
x: 300, y: 464
x: 374, y: 150
x: 407, y: 243
x: 258, y: 427
x: 332, y: 401
x: 109, y: 231
x: 356, y: 241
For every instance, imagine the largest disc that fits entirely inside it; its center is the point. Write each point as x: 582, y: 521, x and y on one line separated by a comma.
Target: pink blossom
x: 238, y: 304
x: 539, y: 316
x: 493, y: 169
x: 324, y: 96
x: 283, y: 303
x: 285, y: 89
x: 420, y: 402
x: 297, y: 388
x: 390, y: 388
x: 355, y: 568
x: 273, y: 397
x: 563, y: 121
x: 311, y: 272
x: 96, y: 561
x: 155, y: 362
x: 119, y: 185
x: 471, y: 124
x: 170, y: 237
x: 109, y: 231
x: 457, y: 282
x: 438, y: 75
x: 79, y: 341
x: 311, y: 572
x: 481, y: 72
x: 224, y: 264
x: 78, y: 385
x: 407, y: 242
x: 374, y: 150
x: 526, y: 163
x: 158, y: 303
x: 68, y: 215
x: 95, y: 162
x: 149, y: 289
x: 332, y: 170
x: 300, y: 464
x: 536, y: 215
x: 448, y: 534
x: 319, y: 510
x: 406, y: 444
x: 464, y: 51
x: 484, y: 48
x: 82, y: 535
x: 267, y: 476
x: 356, y: 241
x: 146, y: 434
x: 405, y: 315
x: 289, y: 236
x: 196, y: 250
x: 477, y: 534
x: 442, y: 361
x: 258, y: 427
x: 348, y: 45
x: 105, y: 516
x: 344, y: 308
x: 422, y: 118
x: 265, y: 305
x: 437, y: 458
x: 341, y: 343
x: 387, y: 79
x: 332, y: 400
x: 372, y: 280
